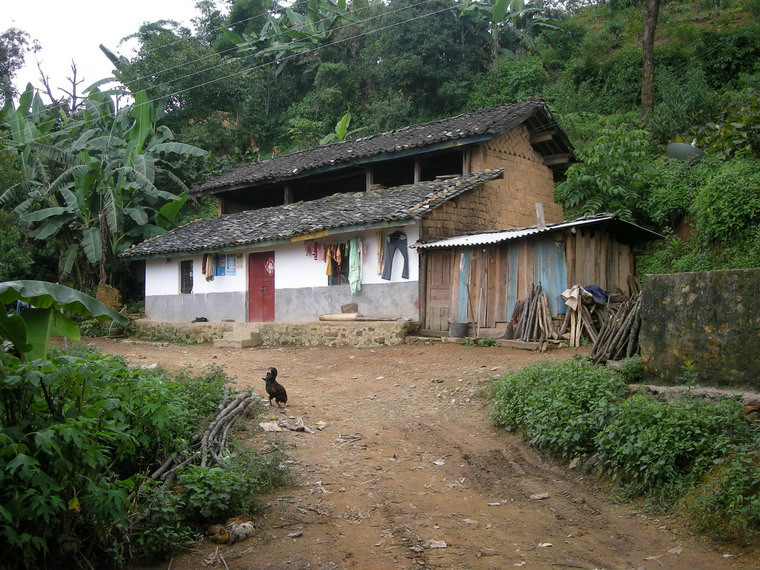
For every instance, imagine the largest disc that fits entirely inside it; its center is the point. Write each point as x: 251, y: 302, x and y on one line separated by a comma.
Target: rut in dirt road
x: 410, y: 473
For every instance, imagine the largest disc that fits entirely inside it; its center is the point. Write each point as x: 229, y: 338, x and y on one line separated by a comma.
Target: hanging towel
x: 329, y: 260
x: 354, y: 265
x: 380, y: 252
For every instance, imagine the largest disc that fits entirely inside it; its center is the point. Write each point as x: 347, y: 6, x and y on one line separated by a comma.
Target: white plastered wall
x: 293, y: 268
x: 162, y: 277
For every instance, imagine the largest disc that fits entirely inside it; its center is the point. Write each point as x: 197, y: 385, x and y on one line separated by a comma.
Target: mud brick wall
x: 710, y: 319
x: 499, y: 204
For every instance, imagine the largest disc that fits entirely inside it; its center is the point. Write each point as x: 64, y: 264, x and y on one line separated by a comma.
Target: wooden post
x: 540, y: 219
x: 368, y: 180
x: 417, y: 170
x: 287, y: 195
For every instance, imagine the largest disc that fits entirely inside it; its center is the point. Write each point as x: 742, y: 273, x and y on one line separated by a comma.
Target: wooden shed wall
x: 482, y: 284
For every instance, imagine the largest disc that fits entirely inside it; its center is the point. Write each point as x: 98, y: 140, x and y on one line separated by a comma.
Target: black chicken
x: 274, y: 389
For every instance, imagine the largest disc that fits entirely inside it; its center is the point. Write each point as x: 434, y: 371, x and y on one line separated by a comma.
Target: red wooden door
x: 261, y: 287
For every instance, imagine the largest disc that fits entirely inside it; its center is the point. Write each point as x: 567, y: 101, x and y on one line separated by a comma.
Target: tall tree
x: 14, y: 44
x: 647, y: 80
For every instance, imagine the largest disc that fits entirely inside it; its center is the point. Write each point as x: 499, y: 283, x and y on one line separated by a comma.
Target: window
x: 186, y: 276
x: 340, y: 272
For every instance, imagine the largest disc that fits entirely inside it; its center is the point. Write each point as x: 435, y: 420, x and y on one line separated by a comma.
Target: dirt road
x: 409, y: 462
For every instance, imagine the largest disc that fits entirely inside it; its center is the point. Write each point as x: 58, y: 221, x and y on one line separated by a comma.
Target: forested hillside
x: 257, y: 78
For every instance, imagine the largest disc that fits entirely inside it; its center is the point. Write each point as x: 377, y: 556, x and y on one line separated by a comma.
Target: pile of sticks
x: 208, y: 448
x: 579, y: 321
x: 619, y: 337
x: 533, y: 319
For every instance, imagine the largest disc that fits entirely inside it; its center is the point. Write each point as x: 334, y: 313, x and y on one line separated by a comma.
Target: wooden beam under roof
x: 558, y: 159
x: 542, y: 136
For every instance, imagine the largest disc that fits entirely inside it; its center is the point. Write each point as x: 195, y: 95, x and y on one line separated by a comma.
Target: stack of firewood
x: 533, y: 321
x: 208, y: 448
x: 619, y: 337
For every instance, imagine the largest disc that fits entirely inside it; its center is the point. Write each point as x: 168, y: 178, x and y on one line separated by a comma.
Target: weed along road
x: 407, y: 471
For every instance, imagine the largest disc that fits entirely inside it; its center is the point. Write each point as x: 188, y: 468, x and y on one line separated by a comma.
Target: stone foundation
x: 321, y: 333
x: 187, y: 333
x: 324, y: 333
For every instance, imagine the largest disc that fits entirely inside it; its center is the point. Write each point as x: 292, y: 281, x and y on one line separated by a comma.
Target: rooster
x: 274, y: 389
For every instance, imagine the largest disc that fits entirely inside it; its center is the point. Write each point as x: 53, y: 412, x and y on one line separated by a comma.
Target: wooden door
x: 438, y: 296
x: 261, y: 287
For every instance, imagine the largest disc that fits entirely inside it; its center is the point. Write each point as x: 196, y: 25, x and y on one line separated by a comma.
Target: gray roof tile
x: 283, y: 222
x: 488, y: 121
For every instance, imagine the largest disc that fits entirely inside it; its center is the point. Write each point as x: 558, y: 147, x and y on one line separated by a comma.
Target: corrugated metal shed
x: 629, y: 229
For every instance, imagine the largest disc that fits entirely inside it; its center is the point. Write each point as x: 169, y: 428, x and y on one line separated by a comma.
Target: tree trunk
x: 647, y: 80
x: 104, y: 237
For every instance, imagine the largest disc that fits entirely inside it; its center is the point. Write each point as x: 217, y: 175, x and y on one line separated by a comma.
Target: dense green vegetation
x: 702, y: 457
x: 81, y: 433
x: 255, y: 77
x: 83, y: 179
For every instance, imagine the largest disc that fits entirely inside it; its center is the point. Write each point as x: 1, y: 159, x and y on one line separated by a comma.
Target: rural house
x: 301, y: 234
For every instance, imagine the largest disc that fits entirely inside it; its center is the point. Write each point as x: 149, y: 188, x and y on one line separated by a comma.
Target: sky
x: 73, y: 30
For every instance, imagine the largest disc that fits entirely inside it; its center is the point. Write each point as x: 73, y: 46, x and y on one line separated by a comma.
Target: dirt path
x: 409, y: 456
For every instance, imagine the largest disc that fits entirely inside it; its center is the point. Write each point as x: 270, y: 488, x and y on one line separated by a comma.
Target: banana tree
x: 107, y: 197
x: 520, y: 21
x: 294, y: 33
x: 28, y: 333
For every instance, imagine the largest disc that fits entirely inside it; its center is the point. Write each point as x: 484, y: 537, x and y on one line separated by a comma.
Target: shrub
x: 507, y: 81
x: 661, y: 449
x: 729, y: 202
x: 632, y: 369
x: 559, y: 407
x: 78, y: 435
x: 727, y: 500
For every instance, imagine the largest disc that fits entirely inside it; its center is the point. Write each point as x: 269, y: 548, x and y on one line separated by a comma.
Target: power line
x: 259, y: 66
x: 228, y: 50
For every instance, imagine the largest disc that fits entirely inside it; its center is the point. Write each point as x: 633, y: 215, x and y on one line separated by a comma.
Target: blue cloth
x: 600, y: 295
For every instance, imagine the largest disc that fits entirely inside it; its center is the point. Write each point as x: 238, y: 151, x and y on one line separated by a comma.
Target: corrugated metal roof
x: 489, y: 238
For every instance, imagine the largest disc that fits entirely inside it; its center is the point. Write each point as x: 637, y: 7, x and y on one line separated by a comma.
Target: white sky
x: 75, y: 29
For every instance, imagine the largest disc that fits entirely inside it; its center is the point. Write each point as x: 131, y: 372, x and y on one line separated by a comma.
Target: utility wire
x: 249, y: 69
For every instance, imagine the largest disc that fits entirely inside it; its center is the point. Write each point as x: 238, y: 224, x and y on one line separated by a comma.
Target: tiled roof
x: 634, y: 231
x: 489, y: 122
x: 283, y: 222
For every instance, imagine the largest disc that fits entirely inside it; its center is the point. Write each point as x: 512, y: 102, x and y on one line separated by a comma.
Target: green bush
x: 661, y: 449
x: 632, y: 369
x: 559, y: 407
x: 507, y: 81
x: 79, y: 433
x: 727, y: 500
x: 729, y: 202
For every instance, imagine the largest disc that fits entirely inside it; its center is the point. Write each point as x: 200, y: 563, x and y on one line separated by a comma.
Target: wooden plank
x: 522, y: 344
x: 579, y: 258
x: 502, y: 277
x: 422, y: 288
x: 493, y: 279
x: 570, y: 257
x: 463, y: 305
x: 513, y: 272
x: 542, y: 136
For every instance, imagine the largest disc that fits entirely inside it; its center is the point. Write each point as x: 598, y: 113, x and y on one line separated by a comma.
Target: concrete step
x: 242, y: 335
x: 237, y: 343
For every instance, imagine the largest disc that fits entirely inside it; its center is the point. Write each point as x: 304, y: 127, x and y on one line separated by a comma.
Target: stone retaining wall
x: 704, y: 325
x: 325, y: 333
x: 320, y: 333
x: 190, y: 333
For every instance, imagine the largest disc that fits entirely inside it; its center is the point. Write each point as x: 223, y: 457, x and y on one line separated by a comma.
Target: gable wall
x: 499, y: 204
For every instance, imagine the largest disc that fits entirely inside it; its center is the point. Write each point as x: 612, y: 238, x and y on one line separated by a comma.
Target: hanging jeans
x: 395, y: 242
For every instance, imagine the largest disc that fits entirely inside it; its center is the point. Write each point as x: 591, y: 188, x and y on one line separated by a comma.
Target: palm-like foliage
x: 106, y: 195
x: 514, y: 24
